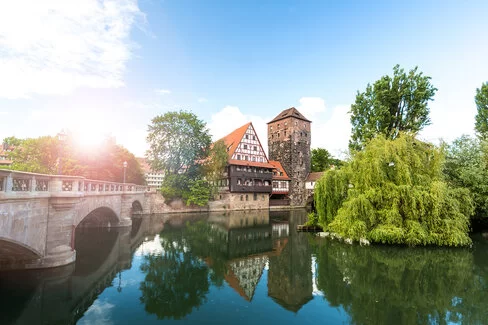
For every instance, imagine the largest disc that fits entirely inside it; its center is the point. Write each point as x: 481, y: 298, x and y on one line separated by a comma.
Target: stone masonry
x: 289, y: 137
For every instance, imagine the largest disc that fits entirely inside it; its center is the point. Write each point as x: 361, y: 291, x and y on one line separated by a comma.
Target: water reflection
x: 390, y: 285
x: 246, y: 267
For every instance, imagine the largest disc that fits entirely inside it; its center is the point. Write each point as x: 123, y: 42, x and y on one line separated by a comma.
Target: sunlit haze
x: 107, y: 67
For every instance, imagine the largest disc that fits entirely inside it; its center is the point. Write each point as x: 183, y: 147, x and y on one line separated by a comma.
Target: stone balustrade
x: 14, y: 183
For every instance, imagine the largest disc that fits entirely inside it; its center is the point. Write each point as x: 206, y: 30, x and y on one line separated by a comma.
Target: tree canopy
x: 393, y: 192
x: 481, y: 100
x: 48, y: 155
x: 323, y: 160
x: 467, y: 167
x: 177, y: 141
x: 391, y: 105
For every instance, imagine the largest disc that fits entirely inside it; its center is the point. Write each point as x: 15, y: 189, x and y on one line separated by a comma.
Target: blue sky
x: 101, y: 67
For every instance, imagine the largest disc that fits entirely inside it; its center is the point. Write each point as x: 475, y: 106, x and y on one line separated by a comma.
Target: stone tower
x: 289, y: 138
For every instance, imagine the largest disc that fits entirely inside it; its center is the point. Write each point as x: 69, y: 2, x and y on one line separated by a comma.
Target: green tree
x: 391, y: 105
x: 36, y: 155
x: 177, y: 141
x: 323, y: 160
x: 481, y: 100
x: 215, y: 165
x: 393, y: 192
x: 467, y: 167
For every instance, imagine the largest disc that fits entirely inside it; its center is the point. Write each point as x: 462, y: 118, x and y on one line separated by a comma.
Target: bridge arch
x: 13, y: 252
x: 99, y: 217
x: 137, y: 207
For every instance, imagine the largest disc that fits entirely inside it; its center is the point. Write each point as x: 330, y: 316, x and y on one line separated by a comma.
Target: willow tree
x: 393, y: 192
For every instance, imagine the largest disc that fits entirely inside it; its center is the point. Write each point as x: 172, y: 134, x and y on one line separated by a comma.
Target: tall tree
x: 391, y: 105
x: 215, y: 164
x: 481, y: 100
x: 177, y: 141
x: 323, y: 160
x: 466, y: 166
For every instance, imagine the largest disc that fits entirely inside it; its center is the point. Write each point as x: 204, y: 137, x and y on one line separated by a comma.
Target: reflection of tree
x: 176, y: 281
x: 388, y: 285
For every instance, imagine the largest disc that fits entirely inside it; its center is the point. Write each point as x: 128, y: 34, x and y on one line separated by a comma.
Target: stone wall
x: 289, y: 143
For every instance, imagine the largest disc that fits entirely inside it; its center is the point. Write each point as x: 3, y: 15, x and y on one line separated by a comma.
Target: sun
x: 88, y: 139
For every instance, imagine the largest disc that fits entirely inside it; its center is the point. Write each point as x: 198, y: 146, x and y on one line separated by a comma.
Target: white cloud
x: 3, y: 113
x: 230, y: 118
x: 202, y: 100
x: 333, y: 133
x: 163, y: 91
x: 55, y: 46
x: 310, y: 106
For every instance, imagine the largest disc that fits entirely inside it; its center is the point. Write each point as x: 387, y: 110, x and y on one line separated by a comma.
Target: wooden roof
x: 290, y: 112
x: 313, y: 177
x: 277, y: 165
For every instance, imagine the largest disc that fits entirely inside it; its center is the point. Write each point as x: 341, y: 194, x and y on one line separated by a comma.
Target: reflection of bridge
x: 101, y: 255
x: 39, y: 214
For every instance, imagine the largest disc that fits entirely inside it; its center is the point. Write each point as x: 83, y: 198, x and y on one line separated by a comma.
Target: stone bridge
x: 39, y: 214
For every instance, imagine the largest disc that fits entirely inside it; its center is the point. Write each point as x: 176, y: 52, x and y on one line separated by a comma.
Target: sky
x: 107, y: 67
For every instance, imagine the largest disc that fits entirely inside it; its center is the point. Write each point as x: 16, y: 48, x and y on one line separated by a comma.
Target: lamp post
x: 61, y: 137
x: 125, y: 168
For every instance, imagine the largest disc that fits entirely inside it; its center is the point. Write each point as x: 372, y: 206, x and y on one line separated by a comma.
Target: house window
x: 247, y: 136
x: 245, y: 146
x: 247, y: 198
x: 278, y: 125
x: 255, y: 148
x: 285, y: 133
x: 238, y: 157
x: 246, y: 158
x: 262, y: 197
x: 254, y: 137
x: 255, y: 196
x: 253, y: 158
x: 278, y: 135
x: 242, y: 198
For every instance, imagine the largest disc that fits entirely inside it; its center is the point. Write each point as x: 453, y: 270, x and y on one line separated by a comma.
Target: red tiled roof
x: 290, y: 112
x: 233, y: 139
x: 279, y: 168
x: 313, y: 177
x: 249, y: 163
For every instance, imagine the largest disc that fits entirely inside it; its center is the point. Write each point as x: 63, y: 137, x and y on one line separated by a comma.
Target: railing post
x: 33, y: 184
x: 9, y: 183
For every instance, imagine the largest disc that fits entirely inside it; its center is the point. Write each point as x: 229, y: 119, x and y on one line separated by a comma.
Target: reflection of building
x: 289, y: 137
x: 244, y: 274
x: 153, y: 178
x: 290, y: 273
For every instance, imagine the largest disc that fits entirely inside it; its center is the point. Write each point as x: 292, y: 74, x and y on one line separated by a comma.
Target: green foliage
x: 312, y: 219
x: 199, y: 193
x: 391, y: 105
x: 481, y: 100
x: 329, y: 193
x: 35, y: 155
x: 323, y: 160
x: 396, y: 195
x: 467, y: 167
x: 215, y: 165
x: 175, y: 186
x: 177, y: 141
x: 47, y: 155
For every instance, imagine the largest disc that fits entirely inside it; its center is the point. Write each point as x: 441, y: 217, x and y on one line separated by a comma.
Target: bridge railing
x: 23, y: 182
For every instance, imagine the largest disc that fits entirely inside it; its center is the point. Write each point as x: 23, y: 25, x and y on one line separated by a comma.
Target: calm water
x: 247, y: 268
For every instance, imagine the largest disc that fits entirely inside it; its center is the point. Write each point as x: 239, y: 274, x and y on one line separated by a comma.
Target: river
x: 247, y: 268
